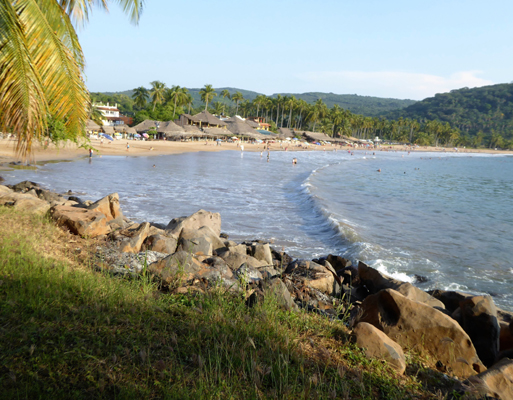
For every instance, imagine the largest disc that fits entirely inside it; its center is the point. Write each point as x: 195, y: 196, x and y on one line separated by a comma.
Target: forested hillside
x: 485, y: 111
x: 363, y: 105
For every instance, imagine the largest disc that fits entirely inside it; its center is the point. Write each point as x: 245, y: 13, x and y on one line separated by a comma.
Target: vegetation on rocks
x: 71, y: 331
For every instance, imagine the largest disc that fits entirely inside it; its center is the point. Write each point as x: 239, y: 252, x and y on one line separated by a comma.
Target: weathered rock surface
x: 312, y: 274
x: 195, y: 222
x: 450, y: 298
x: 24, y: 202
x: 119, y: 263
x: 420, y: 327
x: 479, y: 320
x: 262, y: 252
x: 130, y: 240
x: 496, y: 382
x: 378, y: 345
x: 108, y: 206
x: 80, y: 221
x: 161, y: 243
x: 376, y: 281
x: 279, y: 290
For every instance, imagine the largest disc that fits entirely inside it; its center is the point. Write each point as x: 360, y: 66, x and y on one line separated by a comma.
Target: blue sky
x: 399, y: 49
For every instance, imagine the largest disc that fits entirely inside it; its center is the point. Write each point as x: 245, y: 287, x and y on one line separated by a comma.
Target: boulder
x: 109, y: 206
x: 23, y: 186
x: 376, y: 281
x: 5, y: 189
x: 262, y: 252
x: 117, y: 263
x: 506, y: 336
x: 247, y: 274
x: 496, y: 382
x: 279, y: 291
x: 176, y: 269
x: 196, y: 221
x: 130, y: 240
x: 338, y: 262
x: 80, y: 221
x: 197, y: 246
x: 235, y: 260
x: 450, y: 298
x: 420, y: 327
x: 204, y: 231
x: 161, y: 243
x: 378, y: 345
x: 479, y: 320
x: 239, y: 249
x: 24, y: 202
x: 312, y: 274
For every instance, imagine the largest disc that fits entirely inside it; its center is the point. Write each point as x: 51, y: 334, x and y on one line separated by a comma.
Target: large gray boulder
x: 420, y: 327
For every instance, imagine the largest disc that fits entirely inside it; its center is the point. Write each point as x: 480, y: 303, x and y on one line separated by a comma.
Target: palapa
x: 239, y: 127
x: 205, y: 118
x: 217, y: 132
x: 92, y: 126
x: 124, y: 129
x: 146, y: 125
x: 284, y: 133
x: 107, y: 129
x: 169, y: 128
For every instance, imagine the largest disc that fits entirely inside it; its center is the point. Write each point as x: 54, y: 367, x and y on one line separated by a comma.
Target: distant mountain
x: 365, y: 105
x: 487, y: 109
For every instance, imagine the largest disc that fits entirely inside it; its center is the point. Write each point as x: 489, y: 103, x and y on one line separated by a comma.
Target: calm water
x: 446, y: 217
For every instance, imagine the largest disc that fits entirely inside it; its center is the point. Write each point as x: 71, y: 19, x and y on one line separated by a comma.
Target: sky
x: 405, y: 49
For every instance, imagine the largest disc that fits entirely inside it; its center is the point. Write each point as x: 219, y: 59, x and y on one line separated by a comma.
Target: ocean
x: 445, y: 217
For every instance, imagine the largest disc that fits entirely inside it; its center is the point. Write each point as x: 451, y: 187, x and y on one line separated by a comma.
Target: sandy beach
x: 71, y: 151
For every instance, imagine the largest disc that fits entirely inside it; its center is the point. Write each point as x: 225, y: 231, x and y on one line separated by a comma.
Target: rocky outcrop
x: 108, y: 206
x: 131, y: 239
x: 378, y: 345
x: 80, y: 221
x: 420, y: 327
x: 195, y: 221
x: 312, y: 274
x: 24, y: 202
x: 479, y: 320
x: 496, y: 382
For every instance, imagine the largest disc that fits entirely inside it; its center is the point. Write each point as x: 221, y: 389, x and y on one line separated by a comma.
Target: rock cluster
x: 465, y: 335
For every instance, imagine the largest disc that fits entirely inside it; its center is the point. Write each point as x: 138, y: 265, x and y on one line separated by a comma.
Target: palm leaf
x: 79, y: 9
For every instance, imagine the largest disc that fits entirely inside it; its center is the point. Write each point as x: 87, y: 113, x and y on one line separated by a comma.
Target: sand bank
x: 71, y: 151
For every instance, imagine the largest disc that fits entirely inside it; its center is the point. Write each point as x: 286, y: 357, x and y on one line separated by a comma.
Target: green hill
x: 364, y: 105
x: 488, y: 109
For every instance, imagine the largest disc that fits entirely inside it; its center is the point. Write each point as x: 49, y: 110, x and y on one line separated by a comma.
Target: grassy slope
x: 70, y: 332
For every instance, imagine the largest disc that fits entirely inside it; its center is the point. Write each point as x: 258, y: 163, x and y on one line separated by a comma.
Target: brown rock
x: 262, y: 252
x: 418, y: 326
x: 109, y: 206
x: 24, y: 202
x: 450, y: 298
x: 376, y: 281
x: 506, y: 337
x: 161, y: 243
x: 206, y: 232
x: 132, y: 239
x: 479, y: 320
x: 378, y: 345
x: 80, y: 221
x: 496, y: 382
x: 195, y: 222
x: 312, y: 274
x: 176, y: 269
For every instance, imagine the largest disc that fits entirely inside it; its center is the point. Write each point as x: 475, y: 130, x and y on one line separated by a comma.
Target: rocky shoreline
x: 465, y: 335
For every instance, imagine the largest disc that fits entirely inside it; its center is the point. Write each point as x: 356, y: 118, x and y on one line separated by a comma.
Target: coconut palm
x: 41, y: 67
x: 157, y: 93
x: 178, y: 95
x: 140, y: 96
x: 217, y: 107
x: 208, y: 92
x: 237, y: 97
x: 224, y: 94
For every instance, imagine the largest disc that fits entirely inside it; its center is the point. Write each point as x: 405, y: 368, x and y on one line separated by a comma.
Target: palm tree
x: 140, y: 96
x: 158, y: 91
x: 41, y: 67
x: 217, y: 108
x: 259, y: 101
x: 179, y: 95
x: 224, y: 94
x: 237, y: 97
x: 189, y: 100
x: 291, y: 102
x: 207, y: 93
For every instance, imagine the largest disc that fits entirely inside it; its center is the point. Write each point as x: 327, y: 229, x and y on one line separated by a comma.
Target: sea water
x: 446, y: 217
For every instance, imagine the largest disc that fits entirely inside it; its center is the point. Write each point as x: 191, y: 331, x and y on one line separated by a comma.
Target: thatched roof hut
x: 239, y: 127
x: 214, y: 132
x: 284, y: 133
x: 317, y: 136
x: 146, y: 125
x: 124, y: 129
x: 107, y: 129
x: 205, y: 118
x: 191, y: 128
x: 252, y: 123
x: 169, y: 128
x: 92, y: 126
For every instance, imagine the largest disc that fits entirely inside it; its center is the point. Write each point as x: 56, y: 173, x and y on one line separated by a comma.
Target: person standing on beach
x: 90, y: 153
x: 127, y: 146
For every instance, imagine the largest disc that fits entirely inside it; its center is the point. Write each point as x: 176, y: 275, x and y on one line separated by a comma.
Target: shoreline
x: 71, y: 151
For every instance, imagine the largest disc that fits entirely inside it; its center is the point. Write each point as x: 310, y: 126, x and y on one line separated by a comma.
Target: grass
x: 70, y: 332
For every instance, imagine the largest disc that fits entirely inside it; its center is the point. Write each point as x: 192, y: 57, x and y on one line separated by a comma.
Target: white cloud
x: 394, y: 84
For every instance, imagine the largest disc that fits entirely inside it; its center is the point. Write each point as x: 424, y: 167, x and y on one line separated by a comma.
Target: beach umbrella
x: 218, y: 140
x: 107, y: 136
x: 137, y: 135
x: 145, y: 135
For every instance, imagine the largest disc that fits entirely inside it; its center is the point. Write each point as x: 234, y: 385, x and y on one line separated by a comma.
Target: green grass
x: 69, y: 332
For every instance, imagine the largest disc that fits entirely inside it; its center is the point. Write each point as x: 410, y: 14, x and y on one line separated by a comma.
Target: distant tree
x: 158, y: 90
x: 224, y: 94
x: 237, y: 97
x: 217, y: 107
x: 140, y: 96
x: 207, y: 93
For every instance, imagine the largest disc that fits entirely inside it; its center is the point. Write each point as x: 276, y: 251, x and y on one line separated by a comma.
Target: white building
x: 111, y: 116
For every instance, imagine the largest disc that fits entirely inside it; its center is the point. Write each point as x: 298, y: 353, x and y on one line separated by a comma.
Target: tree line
x: 162, y: 103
